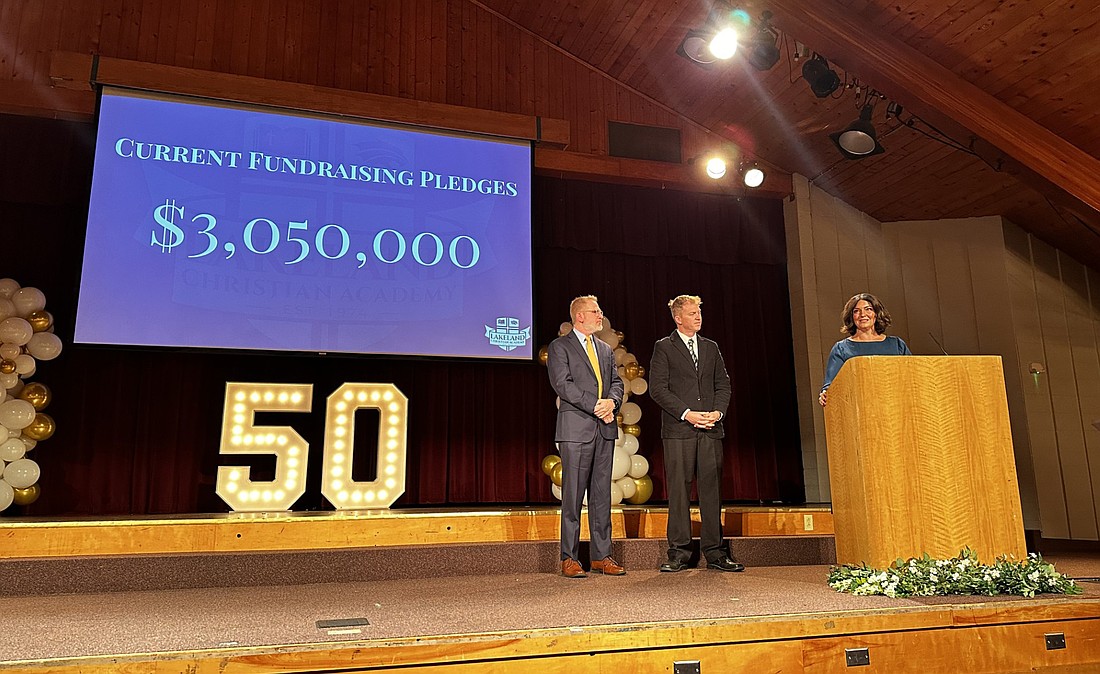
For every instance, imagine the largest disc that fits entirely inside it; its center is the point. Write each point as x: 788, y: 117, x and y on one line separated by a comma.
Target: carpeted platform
x: 163, y: 572
x: 66, y: 626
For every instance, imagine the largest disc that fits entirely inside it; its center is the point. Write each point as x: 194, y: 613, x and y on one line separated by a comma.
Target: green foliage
x: 964, y: 574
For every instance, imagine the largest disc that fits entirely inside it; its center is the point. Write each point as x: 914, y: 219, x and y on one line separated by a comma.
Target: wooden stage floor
x: 499, y: 616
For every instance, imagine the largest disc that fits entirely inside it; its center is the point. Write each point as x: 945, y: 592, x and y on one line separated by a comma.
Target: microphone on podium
x: 938, y: 343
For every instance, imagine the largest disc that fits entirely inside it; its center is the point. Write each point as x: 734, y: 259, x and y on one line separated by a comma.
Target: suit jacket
x: 677, y: 386
x: 574, y: 381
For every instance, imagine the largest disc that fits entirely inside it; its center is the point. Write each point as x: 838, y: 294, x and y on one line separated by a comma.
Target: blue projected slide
x: 232, y: 227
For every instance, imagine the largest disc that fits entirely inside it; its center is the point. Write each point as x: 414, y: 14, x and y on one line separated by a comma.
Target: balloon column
x: 26, y: 337
x: 630, y: 480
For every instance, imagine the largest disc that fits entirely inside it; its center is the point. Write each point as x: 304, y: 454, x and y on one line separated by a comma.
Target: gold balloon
x: 643, y: 489
x: 555, y: 473
x: 631, y: 370
x: 36, y: 394
x: 641, y: 371
x: 632, y: 429
x: 544, y: 355
x: 26, y: 496
x: 41, y: 428
x: 619, y: 418
x: 549, y: 461
x: 7, y: 366
x: 40, y: 320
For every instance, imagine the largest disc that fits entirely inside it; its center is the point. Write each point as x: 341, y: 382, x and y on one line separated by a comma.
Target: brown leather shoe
x: 571, y: 568
x: 608, y: 567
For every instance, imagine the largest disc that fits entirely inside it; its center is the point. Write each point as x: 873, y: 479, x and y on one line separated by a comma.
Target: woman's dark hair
x: 882, y: 316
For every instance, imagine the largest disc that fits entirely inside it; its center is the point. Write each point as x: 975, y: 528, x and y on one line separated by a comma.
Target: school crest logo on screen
x: 507, y: 334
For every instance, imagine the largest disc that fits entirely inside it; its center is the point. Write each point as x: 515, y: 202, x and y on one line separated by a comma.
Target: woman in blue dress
x: 865, y: 324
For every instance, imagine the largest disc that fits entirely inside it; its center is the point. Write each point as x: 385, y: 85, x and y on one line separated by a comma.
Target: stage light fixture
x: 716, y: 168
x: 763, y: 52
x: 752, y: 175
x: 696, y: 47
x: 822, y: 79
x: 859, y: 139
x: 724, y: 44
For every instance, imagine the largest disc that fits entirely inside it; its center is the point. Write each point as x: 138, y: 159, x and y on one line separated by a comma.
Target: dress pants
x: 586, y: 465
x: 701, y: 456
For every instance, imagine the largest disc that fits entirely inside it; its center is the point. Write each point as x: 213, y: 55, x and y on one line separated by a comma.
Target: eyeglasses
x: 598, y: 312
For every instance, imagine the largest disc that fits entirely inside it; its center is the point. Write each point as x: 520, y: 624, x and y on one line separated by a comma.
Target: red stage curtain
x: 138, y: 430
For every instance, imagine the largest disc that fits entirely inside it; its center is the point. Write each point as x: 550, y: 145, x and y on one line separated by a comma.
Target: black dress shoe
x: 673, y: 566
x: 726, y: 564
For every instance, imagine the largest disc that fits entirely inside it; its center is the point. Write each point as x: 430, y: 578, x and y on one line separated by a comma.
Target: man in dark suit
x: 687, y: 378
x: 583, y: 374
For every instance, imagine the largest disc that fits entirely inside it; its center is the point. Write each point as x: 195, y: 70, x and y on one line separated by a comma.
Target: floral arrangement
x: 964, y: 574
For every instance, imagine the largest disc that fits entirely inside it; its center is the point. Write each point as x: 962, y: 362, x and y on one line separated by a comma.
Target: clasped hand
x: 605, y: 410
x: 703, y: 419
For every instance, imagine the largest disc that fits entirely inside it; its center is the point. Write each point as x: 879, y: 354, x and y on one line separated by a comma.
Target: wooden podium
x: 920, y: 460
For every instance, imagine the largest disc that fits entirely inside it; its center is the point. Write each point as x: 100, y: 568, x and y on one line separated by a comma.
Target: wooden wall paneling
x: 1085, y: 351
x: 297, y: 24
x: 1090, y: 397
x: 955, y: 289
x: 1057, y: 45
x: 23, y: 44
x: 206, y: 18
x: 484, y: 77
x: 1058, y: 383
x: 922, y: 292
x: 275, y: 54
x: 1053, y: 518
x: 167, y: 33
x: 10, y: 21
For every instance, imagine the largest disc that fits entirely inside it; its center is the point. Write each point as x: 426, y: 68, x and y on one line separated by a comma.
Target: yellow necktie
x: 595, y: 365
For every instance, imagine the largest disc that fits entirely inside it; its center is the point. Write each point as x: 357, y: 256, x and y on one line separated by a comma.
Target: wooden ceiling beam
x: 1000, y: 134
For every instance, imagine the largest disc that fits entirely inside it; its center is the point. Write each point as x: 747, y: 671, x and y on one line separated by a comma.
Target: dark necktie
x: 691, y: 350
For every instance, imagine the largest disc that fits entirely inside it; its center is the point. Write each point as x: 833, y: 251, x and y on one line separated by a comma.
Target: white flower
x: 1033, y: 576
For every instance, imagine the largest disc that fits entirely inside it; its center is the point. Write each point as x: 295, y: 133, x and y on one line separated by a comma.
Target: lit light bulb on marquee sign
x: 240, y: 435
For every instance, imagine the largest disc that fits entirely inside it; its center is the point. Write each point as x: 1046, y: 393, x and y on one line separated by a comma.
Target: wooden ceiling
x: 1034, y: 62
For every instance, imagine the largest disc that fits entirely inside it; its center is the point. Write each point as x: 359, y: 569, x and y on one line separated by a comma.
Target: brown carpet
x: 62, y: 626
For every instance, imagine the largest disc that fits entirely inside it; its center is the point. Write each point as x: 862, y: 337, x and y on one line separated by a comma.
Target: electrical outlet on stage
x: 240, y: 435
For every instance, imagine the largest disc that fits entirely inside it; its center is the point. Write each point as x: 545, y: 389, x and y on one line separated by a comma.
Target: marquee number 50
x: 241, y: 435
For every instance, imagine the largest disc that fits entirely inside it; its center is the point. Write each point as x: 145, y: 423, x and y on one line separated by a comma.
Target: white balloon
x: 5, y: 433
x: 7, y: 287
x: 627, y: 486
x: 620, y: 465
x: 29, y: 442
x: 7, y: 495
x: 631, y: 413
x: 557, y: 402
x: 16, y: 414
x: 9, y: 351
x: 616, y: 494
x: 639, y: 466
x: 555, y: 490
x: 637, y: 386
x: 22, y: 473
x: 44, y: 345
x: 15, y: 330
x: 612, y: 339
x: 7, y: 309
x: 629, y: 358
x: 630, y: 445
x: 565, y: 328
x: 25, y: 365
x: 620, y: 353
x: 12, y: 449
x: 27, y: 300
x: 11, y: 383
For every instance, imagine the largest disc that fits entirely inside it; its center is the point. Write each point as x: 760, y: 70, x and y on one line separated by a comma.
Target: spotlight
x: 696, y: 46
x: 724, y: 44
x: 822, y: 79
x: 859, y: 139
x: 763, y: 52
x: 753, y: 176
x: 716, y: 167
